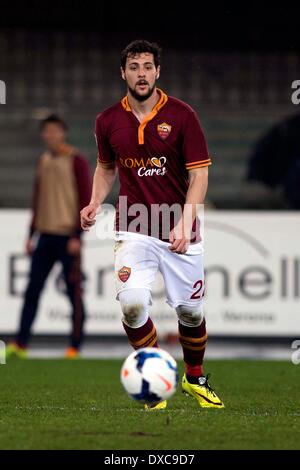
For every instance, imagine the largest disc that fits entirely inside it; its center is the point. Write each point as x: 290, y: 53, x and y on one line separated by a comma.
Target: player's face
x: 53, y: 135
x: 140, y: 75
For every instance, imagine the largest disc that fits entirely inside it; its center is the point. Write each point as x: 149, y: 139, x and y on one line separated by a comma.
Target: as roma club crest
x: 124, y: 273
x: 164, y: 130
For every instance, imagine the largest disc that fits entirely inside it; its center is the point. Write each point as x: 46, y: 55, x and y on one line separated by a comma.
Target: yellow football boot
x: 159, y: 406
x: 14, y: 350
x: 204, y: 394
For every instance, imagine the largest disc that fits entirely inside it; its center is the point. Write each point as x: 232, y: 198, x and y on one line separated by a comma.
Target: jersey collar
x: 161, y: 102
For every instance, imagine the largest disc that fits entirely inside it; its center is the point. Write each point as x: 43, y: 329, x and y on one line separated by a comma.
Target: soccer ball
x: 149, y: 375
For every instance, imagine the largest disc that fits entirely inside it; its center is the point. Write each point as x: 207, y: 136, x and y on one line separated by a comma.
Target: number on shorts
x: 196, y: 295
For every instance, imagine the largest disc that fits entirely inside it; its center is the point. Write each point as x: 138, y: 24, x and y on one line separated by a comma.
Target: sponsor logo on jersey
x: 164, y: 130
x: 146, y: 166
x: 124, y: 273
x: 159, y: 162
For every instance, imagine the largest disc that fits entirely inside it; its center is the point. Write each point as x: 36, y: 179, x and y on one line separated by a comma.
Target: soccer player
x: 156, y: 144
x: 62, y: 188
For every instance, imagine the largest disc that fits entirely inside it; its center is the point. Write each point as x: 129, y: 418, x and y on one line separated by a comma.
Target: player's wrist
x: 94, y: 204
x: 184, y: 228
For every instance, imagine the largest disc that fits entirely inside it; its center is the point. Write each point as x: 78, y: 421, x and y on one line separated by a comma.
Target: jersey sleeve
x: 195, y: 149
x: 106, y: 156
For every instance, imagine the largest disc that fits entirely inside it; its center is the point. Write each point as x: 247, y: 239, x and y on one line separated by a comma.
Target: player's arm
x: 29, y: 245
x: 104, y: 178
x: 197, y: 160
x: 198, y: 182
x: 180, y: 235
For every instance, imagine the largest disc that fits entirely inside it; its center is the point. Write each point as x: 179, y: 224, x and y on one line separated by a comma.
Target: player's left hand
x: 178, y: 239
x: 73, y: 246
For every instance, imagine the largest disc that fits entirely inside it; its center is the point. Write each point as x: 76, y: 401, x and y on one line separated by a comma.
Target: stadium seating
x: 238, y: 97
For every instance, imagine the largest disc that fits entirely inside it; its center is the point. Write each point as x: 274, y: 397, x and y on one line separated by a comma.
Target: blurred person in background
x: 274, y: 166
x: 62, y: 188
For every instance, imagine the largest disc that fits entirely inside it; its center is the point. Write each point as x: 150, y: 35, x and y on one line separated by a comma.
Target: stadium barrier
x: 252, y: 265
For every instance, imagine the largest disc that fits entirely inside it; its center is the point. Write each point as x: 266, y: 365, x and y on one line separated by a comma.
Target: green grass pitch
x: 58, y: 404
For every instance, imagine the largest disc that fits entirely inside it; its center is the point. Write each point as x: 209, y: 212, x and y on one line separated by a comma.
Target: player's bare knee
x: 190, y: 315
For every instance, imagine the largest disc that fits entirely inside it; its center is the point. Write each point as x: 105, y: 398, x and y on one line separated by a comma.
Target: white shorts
x: 139, y: 257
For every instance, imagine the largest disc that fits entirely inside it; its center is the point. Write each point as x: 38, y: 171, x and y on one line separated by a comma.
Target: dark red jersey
x: 153, y: 157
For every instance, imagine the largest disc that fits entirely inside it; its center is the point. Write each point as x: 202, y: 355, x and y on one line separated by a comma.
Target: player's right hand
x: 88, y: 216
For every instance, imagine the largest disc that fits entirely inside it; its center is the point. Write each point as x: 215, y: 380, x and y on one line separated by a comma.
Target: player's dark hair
x: 138, y: 47
x: 53, y: 119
